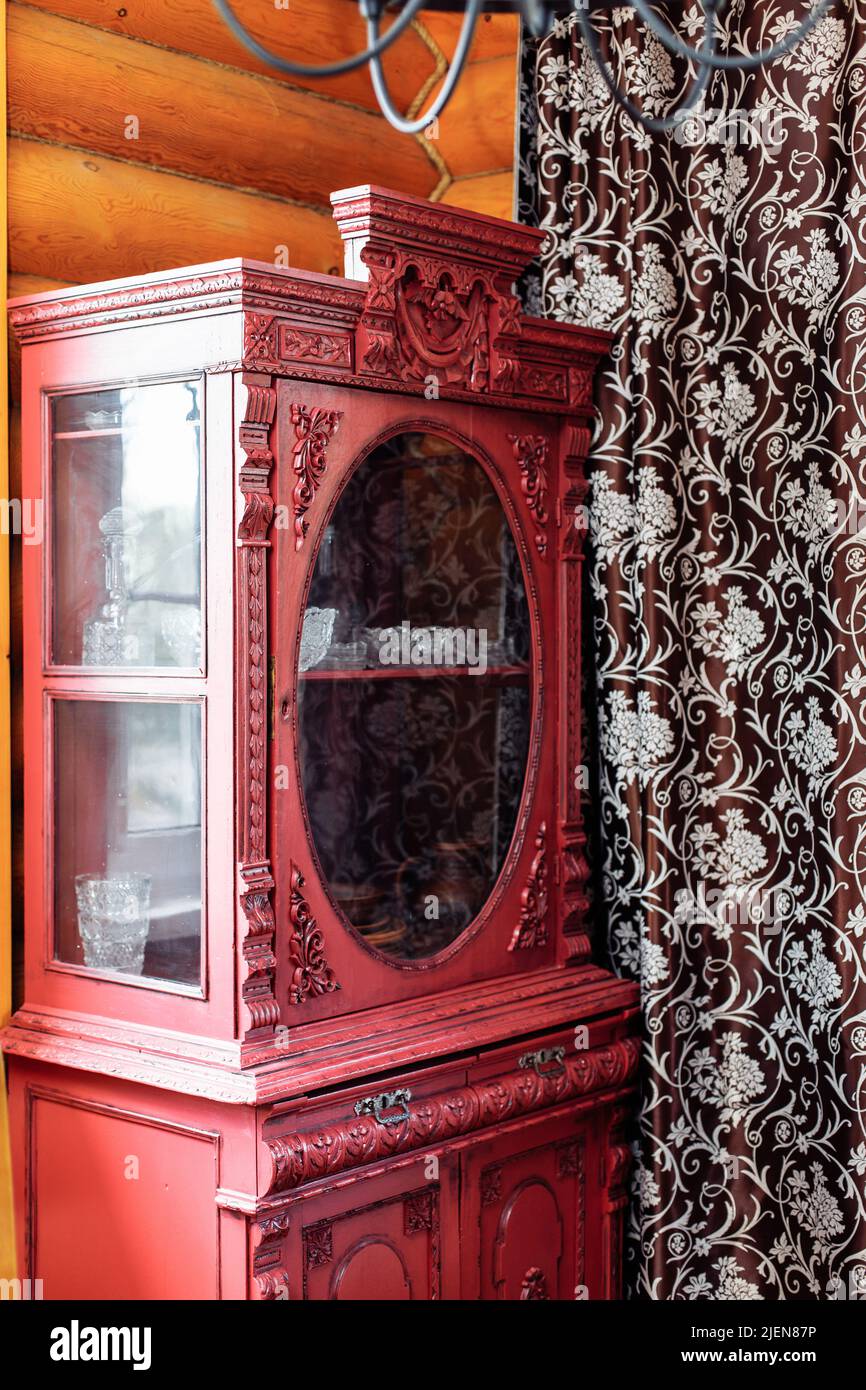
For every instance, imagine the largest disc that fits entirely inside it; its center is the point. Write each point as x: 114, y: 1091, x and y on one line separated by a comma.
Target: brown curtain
x: 727, y: 622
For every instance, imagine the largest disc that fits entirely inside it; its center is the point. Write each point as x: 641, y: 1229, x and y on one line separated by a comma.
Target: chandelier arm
x: 664, y: 124
x: 285, y: 65
x: 372, y: 11
x: 746, y: 61
x: 537, y: 16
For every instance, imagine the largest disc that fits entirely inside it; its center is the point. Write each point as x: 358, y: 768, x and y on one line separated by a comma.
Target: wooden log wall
x: 143, y: 136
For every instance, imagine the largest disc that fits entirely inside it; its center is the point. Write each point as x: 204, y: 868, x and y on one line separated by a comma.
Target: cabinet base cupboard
x: 310, y: 1010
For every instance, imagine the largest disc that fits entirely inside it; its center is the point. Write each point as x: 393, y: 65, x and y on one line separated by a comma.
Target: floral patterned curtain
x: 727, y: 622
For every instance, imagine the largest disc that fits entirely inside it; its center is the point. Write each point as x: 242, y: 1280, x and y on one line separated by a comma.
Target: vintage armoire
x: 310, y: 1010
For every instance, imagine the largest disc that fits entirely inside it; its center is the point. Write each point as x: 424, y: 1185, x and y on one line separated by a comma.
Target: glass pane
x: 414, y: 695
x: 127, y: 837
x: 126, y: 527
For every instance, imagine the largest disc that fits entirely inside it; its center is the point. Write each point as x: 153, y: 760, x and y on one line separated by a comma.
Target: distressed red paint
x: 317, y: 1121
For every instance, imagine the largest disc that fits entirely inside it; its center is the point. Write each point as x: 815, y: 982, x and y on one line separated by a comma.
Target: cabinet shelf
x: 115, y: 432
x: 379, y: 673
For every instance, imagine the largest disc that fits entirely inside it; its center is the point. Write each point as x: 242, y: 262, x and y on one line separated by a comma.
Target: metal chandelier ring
x: 538, y: 16
x: 416, y: 124
x: 285, y: 65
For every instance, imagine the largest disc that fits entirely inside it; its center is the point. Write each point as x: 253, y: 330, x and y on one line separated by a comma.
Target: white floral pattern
x: 727, y: 625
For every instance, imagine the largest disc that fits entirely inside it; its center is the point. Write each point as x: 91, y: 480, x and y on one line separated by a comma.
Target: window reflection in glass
x: 414, y: 696
x: 127, y: 837
x: 126, y: 527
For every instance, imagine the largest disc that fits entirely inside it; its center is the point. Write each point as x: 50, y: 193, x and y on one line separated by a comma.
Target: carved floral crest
x: 531, y: 451
x: 531, y: 929
x: 442, y: 329
x: 311, y: 974
x: 425, y: 319
x: 534, y: 1287
x: 314, y: 428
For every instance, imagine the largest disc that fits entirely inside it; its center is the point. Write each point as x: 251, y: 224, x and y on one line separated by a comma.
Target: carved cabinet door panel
x: 385, y: 1238
x: 524, y: 1214
x: 415, y: 804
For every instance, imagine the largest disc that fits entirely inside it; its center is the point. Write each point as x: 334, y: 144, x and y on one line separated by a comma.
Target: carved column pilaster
x: 617, y: 1165
x: 270, y: 1279
x: 255, y: 881
x: 378, y: 351
x: 506, y: 328
x: 573, y: 866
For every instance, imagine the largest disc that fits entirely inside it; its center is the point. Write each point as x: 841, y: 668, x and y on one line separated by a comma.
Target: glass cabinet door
x: 128, y: 836
x: 126, y: 612
x: 414, y: 696
x: 126, y: 527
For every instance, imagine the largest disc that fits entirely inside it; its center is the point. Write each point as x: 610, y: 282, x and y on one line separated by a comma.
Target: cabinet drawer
x: 353, y: 1128
x: 544, y: 1058
x: 584, y: 1065
x: 597, y: 1041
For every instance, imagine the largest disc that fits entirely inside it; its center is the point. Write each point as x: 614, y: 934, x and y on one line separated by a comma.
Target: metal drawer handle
x: 548, y: 1061
x: 389, y: 1108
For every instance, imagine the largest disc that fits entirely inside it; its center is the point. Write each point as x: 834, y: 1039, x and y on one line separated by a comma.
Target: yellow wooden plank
x: 20, y: 285
x: 476, y: 130
x: 81, y: 217
x: 305, y: 31
x: 75, y: 85
x: 496, y: 35
x: 490, y: 193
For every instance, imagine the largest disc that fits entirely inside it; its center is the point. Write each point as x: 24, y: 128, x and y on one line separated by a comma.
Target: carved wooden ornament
x: 311, y: 974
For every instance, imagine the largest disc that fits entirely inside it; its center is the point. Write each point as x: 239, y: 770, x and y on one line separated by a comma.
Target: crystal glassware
x: 347, y: 656
x: 316, y: 634
x: 109, y: 639
x: 181, y: 633
x: 113, y: 920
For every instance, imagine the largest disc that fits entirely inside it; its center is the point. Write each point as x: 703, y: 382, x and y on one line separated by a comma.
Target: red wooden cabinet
x: 309, y: 996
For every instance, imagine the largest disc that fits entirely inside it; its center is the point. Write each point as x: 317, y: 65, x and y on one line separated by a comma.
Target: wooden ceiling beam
x: 307, y: 31
x: 80, y: 217
x: 86, y: 88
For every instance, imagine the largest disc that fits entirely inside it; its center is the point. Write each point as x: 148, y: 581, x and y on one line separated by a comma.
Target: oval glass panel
x: 414, y: 695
